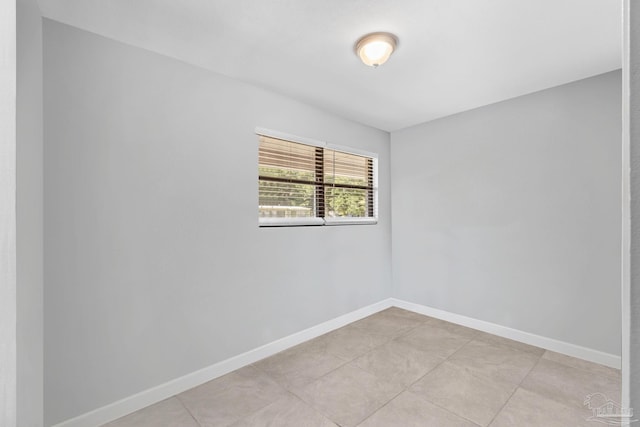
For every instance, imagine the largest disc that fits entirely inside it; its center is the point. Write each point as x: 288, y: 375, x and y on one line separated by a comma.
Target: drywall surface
x: 29, y: 215
x: 8, y: 214
x: 634, y: 115
x: 154, y: 263
x: 510, y: 213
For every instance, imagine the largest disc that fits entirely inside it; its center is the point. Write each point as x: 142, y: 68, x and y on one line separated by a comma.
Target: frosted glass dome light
x: 375, y: 49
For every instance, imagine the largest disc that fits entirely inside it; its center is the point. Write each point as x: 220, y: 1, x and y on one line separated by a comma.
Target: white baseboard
x: 156, y: 394
x: 515, y: 334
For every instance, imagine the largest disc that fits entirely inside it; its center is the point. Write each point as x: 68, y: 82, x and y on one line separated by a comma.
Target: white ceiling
x: 454, y: 55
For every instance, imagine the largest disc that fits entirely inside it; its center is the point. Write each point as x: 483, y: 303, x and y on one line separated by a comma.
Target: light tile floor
x: 395, y: 368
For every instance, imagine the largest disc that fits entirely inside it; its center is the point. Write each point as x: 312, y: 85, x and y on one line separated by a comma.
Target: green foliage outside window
x: 340, y: 202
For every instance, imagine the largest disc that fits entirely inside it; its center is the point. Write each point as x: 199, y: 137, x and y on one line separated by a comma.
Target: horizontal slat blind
x: 349, y: 185
x: 298, y: 181
x: 287, y: 179
x: 285, y: 159
x: 345, y: 168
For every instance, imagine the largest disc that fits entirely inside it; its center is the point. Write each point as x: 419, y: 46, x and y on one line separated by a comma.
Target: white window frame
x: 315, y: 221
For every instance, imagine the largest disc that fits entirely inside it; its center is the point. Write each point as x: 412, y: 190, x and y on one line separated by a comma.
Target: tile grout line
x: 301, y: 398
x: 380, y: 408
x: 321, y: 412
x: 515, y: 389
x: 564, y: 404
x: 406, y: 388
x: 444, y: 359
x: 187, y: 409
x: 227, y: 388
x: 473, y: 338
x: 363, y: 332
x: 313, y: 408
x: 443, y: 408
x: 434, y: 368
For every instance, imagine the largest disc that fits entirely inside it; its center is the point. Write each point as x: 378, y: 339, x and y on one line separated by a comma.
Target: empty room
x: 320, y: 213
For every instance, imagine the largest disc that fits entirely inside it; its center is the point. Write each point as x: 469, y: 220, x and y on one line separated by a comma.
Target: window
x: 305, y: 182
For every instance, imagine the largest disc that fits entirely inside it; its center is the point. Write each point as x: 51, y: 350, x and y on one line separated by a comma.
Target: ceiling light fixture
x: 374, y: 49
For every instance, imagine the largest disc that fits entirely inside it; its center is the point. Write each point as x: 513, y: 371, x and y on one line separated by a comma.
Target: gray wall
x: 29, y: 215
x: 510, y: 213
x: 154, y: 264
x: 634, y: 112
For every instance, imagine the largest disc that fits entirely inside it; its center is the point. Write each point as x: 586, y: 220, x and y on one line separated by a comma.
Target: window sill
x: 289, y: 222
x: 299, y: 222
x: 350, y: 221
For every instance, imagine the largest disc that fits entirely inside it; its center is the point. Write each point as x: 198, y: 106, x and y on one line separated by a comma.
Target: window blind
x: 301, y: 184
x: 288, y: 175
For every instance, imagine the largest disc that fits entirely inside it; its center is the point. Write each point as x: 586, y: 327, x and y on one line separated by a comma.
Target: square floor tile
x: 397, y: 362
x: 168, y: 413
x: 457, y: 390
x: 348, y: 395
x: 495, y: 361
x: 288, y: 411
x: 434, y: 340
x: 527, y: 409
x: 298, y: 366
x: 567, y: 385
x: 409, y: 410
x: 225, y: 400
